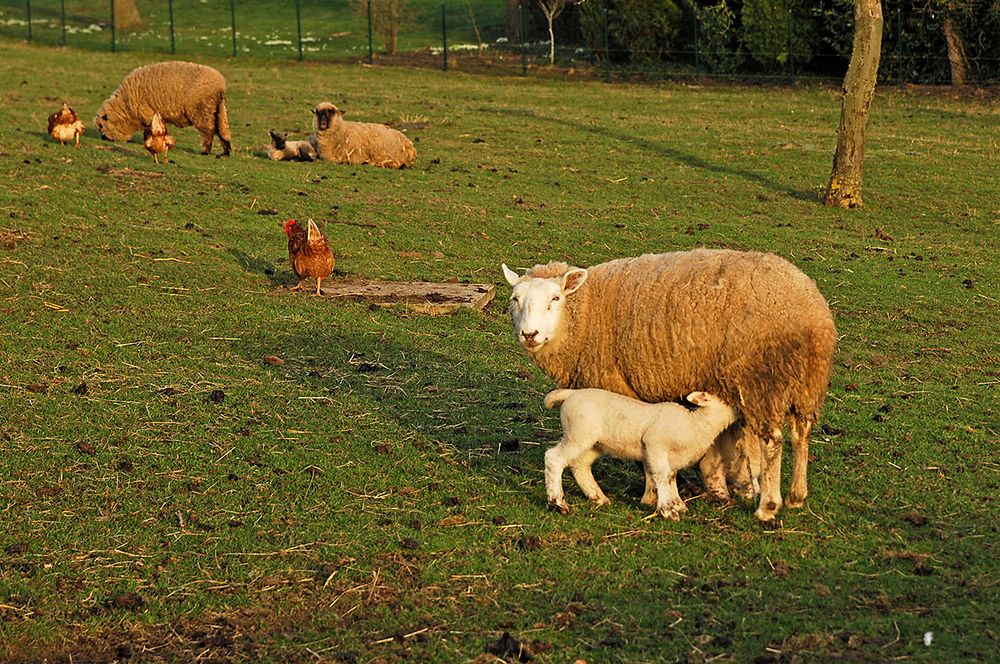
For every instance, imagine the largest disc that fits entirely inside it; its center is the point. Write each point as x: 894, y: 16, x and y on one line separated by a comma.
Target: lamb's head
x: 715, y: 407
x: 278, y: 140
x: 325, y: 116
x: 538, y: 303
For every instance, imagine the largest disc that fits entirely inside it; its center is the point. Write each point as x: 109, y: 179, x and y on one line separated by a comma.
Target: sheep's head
x: 325, y: 116
x: 112, y: 125
x: 537, y: 304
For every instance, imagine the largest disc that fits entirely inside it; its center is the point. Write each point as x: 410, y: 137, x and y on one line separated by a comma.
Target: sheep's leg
x: 555, y: 463
x: 649, y: 495
x: 713, y: 472
x: 741, y: 460
x: 800, y: 447
x: 770, y: 476
x: 585, y: 477
x: 206, y: 141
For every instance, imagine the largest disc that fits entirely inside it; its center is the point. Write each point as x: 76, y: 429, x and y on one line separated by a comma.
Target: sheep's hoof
x: 648, y: 498
x: 744, y: 490
x: 559, y: 505
x: 717, y: 494
x: 600, y: 501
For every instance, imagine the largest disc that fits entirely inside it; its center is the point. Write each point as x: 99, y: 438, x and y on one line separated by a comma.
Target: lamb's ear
x: 511, y: 276
x: 573, y: 279
x: 699, y: 398
x: 340, y: 111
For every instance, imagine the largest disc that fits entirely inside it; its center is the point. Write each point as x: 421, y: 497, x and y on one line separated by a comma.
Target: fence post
x: 27, y: 6
x: 113, y: 28
x: 607, y: 42
x: 899, y: 46
x: 697, y: 55
x: 170, y: 13
x: 444, y: 36
x: 524, y: 53
x: 62, y: 20
x: 232, y: 19
x: 298, y: 24
x: 371, y: 51
x: 791, y: 55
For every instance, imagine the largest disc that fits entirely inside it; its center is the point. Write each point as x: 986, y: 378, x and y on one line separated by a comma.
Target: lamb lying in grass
x: 665, y: 436
x: 282, y: 149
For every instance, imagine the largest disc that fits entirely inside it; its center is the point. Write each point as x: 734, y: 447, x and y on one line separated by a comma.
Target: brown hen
x: 65, y: 126
x: 309, y: 253
x: 157, y: 140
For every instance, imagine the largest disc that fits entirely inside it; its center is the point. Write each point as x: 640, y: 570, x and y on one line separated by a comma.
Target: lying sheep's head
x: 537, y: 304
x: 325, y: 116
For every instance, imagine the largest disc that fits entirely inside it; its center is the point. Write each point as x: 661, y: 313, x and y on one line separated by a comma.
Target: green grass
x: 166, y: 492
x: 263, y: 27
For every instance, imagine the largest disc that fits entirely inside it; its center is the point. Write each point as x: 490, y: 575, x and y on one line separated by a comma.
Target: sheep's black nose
x: 529, y: 336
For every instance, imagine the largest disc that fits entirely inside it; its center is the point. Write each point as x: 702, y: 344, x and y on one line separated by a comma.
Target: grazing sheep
x: 346, y: 142
x: 183, y: 93
x: 749, y: 327
x: 666, y: 437
x: 282, y: 149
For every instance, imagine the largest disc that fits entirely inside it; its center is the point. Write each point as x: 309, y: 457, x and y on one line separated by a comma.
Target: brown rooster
x: 65, y: 126
x: 157, y: 140
x: 309, y: 253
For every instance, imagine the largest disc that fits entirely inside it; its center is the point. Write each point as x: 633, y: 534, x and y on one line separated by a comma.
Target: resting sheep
x: 747, y: 326
x: 666, y: 437
x: 183, y: 93
x: 346, y: 142
x: 282, y: 149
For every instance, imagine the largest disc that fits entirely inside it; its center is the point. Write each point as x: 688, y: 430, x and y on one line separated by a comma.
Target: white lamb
x: 665, y: 436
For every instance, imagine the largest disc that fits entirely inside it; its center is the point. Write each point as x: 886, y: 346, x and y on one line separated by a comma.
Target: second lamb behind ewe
x: 282, y: 149
x: 665, y: 436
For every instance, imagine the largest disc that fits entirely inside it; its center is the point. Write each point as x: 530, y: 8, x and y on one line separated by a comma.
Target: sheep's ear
x: 340, y: 111
x: 573, y: 279
x: 511, y: 276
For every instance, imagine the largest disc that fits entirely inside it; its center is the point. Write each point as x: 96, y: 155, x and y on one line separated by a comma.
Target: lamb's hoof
x: 559, y: 505
x: 670, y: 512
x: 600, y: 501
x: 795, y: 502
x: 766, y: 513
x: 648, y: 498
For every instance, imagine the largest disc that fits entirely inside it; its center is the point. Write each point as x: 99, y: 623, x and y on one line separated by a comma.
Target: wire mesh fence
x: 460, y: 35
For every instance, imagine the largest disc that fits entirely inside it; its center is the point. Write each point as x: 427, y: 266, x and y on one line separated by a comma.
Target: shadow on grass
x: 670, y: 152
x: 255, y: 265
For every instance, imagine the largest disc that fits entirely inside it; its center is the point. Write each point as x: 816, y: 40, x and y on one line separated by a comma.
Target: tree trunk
x: 513, y: 23
x: 552, y: 38
x: 844, y: 189
x: 956, y: 51
x: 127, y: 15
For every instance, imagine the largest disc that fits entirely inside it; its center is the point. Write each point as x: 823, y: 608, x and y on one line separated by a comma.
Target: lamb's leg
x: 713, y: 472
x: 585, y: 477
x: 555, y: 463
x: 668, y: 501
x: 770, y: 477
x: 800, y: 448
x: 649, y: 495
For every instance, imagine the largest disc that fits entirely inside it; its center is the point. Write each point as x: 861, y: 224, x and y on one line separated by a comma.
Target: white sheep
x: 747, y: 326
x: 282, y: 149
x: 666, y: 437
x: 346, y: 142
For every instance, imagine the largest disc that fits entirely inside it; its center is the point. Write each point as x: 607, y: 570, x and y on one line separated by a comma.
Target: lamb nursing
x: 665, y: 436
x: 749, y: 327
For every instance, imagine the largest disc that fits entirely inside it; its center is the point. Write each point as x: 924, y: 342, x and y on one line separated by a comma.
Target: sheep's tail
x: 556, y: 397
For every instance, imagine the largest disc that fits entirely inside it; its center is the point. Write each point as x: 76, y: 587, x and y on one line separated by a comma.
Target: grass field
x: 168, y: 492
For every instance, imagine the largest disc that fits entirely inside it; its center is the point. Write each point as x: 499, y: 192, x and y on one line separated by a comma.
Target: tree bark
x: 844, y: 189
x: 513, y: 24
x: 956, y: 51
x: 127, y: 15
